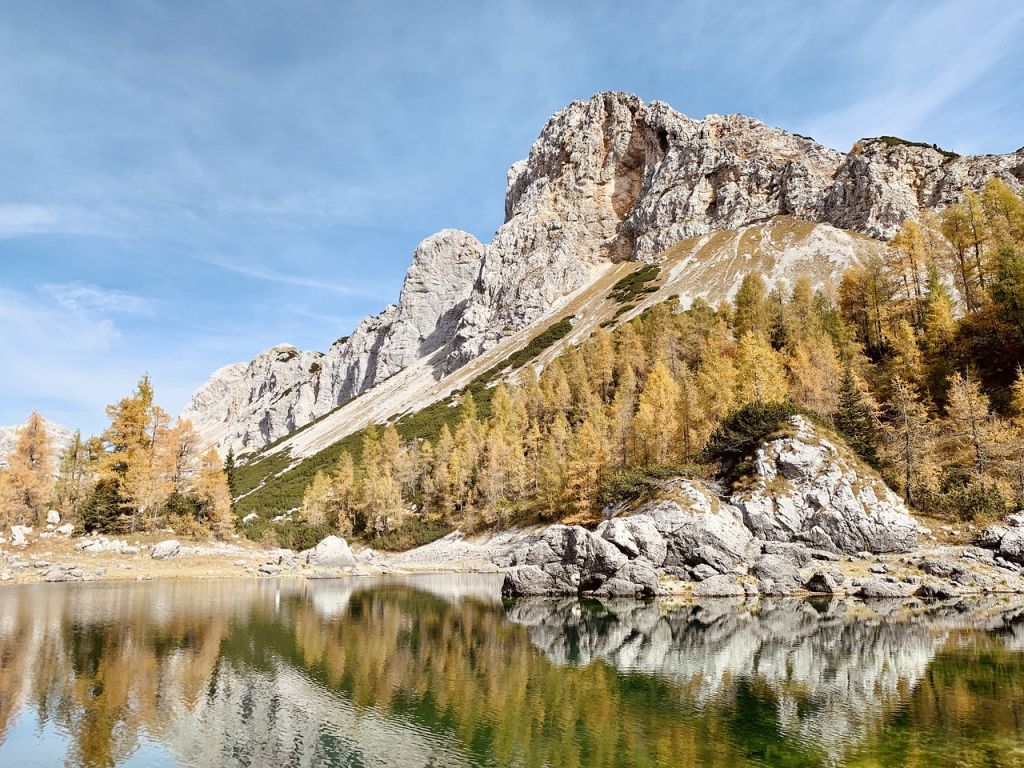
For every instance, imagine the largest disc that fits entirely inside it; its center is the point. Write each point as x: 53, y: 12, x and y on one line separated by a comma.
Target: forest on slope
x: 914, y: 358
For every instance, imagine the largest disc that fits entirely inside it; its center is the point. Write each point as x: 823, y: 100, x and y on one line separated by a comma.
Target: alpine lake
x: 438, y: 670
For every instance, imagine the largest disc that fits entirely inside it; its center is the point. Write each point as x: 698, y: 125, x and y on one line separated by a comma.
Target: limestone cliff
x: 609, y: 179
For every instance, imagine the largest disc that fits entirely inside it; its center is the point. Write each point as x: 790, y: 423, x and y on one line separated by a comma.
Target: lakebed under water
x: 439, y: 671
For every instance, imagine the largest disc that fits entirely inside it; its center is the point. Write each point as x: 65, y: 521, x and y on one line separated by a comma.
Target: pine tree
x: 855, y: 421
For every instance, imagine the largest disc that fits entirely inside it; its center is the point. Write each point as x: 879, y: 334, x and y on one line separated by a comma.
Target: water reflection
x: 438, y: 671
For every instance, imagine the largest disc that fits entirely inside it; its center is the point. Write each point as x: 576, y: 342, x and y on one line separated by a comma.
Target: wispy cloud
x: 27, y: 219
x: 90, y: 298
x: 259, y: 272
x: 922, y: 71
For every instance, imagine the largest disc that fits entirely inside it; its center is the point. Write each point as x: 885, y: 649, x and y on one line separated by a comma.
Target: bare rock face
x: 608, y: 179
x: 807, y: 489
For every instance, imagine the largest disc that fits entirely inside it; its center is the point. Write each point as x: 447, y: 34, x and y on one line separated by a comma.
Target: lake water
x: 438, y: 671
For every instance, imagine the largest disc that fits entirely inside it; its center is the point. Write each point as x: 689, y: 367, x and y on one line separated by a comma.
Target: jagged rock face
x: 803, y: 489
x: 608, y: 179
x: 806, y: 488
x: 878, y: 186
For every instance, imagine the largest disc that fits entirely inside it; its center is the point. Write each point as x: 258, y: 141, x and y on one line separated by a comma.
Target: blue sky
x: 183, y: 184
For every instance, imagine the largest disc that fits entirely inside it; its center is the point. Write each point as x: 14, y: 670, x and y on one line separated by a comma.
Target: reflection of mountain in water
x: 431, y: 671
x: 836, y: 667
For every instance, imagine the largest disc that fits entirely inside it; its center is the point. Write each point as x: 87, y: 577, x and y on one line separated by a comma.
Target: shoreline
x: 948, y: 570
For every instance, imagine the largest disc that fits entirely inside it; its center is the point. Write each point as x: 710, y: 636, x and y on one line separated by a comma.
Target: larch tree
x: 908, y: 433
x: 586, y: 464
x: 341, y: 510
x: 973, y: 432
x: 30, y: 472
x: 761, y: 376
x: 75, y: 469
x: 751, y: 306
x: 316, y: 500
x: 656, y: 424
x: 211, y: 488
x: 814, y: 372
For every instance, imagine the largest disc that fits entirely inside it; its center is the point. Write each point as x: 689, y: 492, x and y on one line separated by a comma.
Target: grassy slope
x: 269, y: 487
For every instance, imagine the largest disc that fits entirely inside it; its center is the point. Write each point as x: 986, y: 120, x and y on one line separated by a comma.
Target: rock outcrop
x: 806, y: 488
x: 822, y: 501
x: 608, y: 179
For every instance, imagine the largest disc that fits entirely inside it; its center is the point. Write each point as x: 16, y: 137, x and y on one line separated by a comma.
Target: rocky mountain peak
x: 608, y: 179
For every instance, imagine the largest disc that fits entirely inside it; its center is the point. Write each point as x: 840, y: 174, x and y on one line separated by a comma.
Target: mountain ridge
x: 608, y: 180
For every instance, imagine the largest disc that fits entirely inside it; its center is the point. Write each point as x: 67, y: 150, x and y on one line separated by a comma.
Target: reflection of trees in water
x: 391, y: 675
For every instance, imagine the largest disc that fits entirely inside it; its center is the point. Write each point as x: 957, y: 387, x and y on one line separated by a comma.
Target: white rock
x: 331, y: 552
x: 53, y: 517
x: 20, y: 534
x: 166, y: 549
x: 250, y: 517
x: 66, y: 530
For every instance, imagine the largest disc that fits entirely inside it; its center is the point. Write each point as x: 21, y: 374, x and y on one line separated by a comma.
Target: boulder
x: 66, y: 530
x: 806, y: 488
x: 331, y: 552
x: 250, y: 517
x: 269, y: 569
x: 166, y: 549
x: 880, y: 588
x: 570, y: 560
x: 826, y: 582
x: 635, y: 536
x: 53, y: 517
x: 776, y: 575
x: 20, y: 534
x: 719, y: 586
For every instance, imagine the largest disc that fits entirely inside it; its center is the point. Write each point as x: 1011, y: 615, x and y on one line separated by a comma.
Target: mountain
x: 610, y: 184
x: 59, y: 435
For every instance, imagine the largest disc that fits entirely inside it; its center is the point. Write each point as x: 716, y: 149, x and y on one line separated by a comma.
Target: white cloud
x: 20, y: 219
x: 90, y: 298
